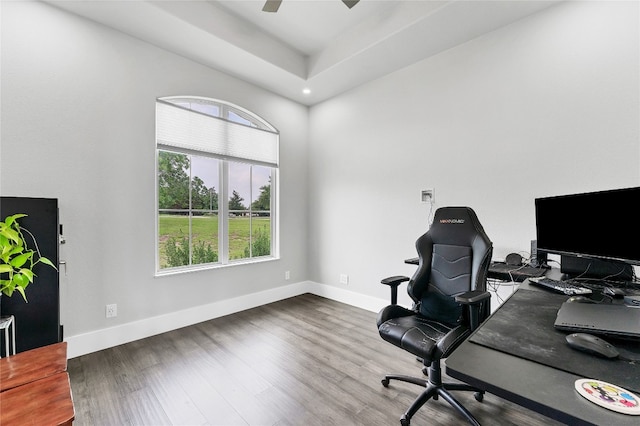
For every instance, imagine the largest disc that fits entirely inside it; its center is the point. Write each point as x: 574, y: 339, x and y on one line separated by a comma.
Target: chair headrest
x: 455, y: 226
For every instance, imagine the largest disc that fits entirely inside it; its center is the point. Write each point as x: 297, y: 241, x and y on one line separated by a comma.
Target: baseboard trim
x: 349, y: 297
x: 94, y: 341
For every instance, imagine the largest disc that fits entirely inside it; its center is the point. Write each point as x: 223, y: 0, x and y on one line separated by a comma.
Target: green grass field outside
x: 205, y: 229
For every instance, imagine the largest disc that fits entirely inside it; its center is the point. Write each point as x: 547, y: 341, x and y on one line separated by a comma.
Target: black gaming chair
x: 450, y: 301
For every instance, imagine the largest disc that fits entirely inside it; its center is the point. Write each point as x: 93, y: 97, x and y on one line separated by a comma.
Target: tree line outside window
x: 186, y: 203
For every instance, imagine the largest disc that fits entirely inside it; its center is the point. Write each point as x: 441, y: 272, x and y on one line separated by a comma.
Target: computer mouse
x: 592, y: 344
x: 580, y: 299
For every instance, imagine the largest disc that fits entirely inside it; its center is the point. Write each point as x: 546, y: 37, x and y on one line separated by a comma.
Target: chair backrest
x: 454, y: 258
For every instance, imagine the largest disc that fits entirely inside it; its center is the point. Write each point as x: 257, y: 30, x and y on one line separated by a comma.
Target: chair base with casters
x: 435, y: 388
x: 450, y: 301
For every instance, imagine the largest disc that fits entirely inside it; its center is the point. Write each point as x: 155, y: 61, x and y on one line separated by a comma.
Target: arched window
x: 217, y: 169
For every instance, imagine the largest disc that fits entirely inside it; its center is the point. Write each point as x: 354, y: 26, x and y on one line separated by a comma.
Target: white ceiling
x: 317, y: 44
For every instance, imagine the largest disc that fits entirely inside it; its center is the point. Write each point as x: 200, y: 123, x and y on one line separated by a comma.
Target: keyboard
x: 563, y: 287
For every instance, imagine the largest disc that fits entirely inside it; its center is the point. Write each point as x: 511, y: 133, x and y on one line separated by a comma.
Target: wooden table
x: 43, y: 402
x: 34, y: 387
x: 32, y: 365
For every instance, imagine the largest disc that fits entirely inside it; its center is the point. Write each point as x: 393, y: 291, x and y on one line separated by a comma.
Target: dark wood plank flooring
x: 301, y: 361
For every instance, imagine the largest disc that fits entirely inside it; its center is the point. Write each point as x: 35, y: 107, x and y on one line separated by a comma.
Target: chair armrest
x: 393, y: 283
x: 479, y: 303
x: 473, y: 297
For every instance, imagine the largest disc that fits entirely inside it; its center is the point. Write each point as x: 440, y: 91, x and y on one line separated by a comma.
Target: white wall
x: 548, y: 105
x: 78, y: 111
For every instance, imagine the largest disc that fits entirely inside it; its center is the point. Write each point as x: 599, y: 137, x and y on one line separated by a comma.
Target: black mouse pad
x: 523, y: 326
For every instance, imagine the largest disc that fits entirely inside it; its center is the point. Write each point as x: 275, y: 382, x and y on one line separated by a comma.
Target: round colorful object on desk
x: 609, y: 396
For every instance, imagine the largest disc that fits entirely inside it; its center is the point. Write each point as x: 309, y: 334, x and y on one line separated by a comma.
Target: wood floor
x: 301, y: 361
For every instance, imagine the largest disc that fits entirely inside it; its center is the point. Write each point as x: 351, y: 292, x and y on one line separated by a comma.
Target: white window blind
x: 181, y: 128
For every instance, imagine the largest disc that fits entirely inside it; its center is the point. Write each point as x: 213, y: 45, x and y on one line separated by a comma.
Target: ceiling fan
x: 274, y: 5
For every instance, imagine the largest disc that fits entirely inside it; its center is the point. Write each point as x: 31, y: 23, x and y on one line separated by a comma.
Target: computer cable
x: 626, y: 355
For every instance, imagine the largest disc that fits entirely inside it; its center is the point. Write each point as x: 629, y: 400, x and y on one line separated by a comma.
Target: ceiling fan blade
x: 350, y: 3
x: 271, y: 6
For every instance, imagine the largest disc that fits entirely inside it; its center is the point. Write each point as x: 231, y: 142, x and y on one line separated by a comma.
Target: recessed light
x: 306, y: 91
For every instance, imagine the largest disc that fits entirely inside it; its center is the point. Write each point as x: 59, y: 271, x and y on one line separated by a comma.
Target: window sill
x: 211, y: 266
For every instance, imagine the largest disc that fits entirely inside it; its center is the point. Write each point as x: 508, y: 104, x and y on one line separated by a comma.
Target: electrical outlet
x: 112, y: 310
x: 344, y: 279
x: 287, y: 275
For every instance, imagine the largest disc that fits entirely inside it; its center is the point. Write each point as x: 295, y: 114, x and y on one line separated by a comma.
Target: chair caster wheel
x: 425, y: 371
x: 479, y: 396
x: 385, y: 383
x: 404, y: 421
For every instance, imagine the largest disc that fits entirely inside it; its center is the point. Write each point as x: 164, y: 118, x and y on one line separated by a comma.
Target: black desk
x: 518, y: 273
x: 538, y: 387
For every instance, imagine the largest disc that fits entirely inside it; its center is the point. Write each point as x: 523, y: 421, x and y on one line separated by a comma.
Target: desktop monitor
x: 601, y: 227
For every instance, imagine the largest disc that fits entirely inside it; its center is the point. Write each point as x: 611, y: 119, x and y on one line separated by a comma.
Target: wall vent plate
x: 427, y: 196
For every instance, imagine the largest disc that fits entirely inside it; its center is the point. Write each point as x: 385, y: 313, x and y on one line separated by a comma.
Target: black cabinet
x: 37, y: 321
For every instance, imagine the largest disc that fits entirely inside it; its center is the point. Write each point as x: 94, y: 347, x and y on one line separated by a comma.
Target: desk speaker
x: 538, y: 259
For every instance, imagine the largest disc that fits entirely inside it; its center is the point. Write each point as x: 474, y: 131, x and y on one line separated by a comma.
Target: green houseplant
x: 17, y: 260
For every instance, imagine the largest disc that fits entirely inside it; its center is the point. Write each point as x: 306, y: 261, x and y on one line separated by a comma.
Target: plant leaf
x: 16, y: 250
x: 10, y: 219
x: 8, y: 289
x: 21, y: 259
x: 20, y: 280
x: 5, y: 268
x: 13, y: 235
x: 21, y: 291
x: 47, y: 262
x: 27, y: 273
